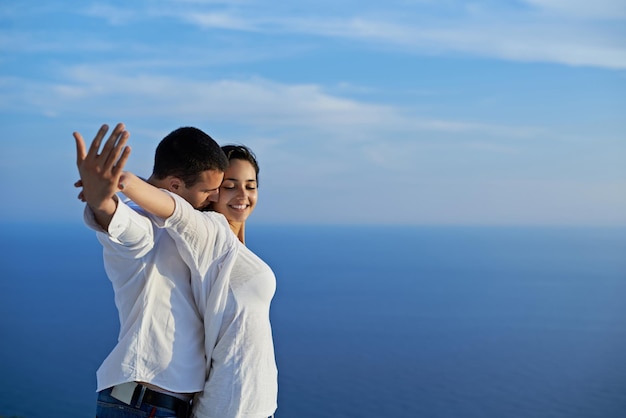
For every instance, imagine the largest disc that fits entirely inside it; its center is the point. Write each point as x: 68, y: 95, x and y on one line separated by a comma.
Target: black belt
x: 160, y: 400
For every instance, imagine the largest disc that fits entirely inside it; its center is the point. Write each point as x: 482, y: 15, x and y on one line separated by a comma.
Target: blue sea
x: 385, y: 322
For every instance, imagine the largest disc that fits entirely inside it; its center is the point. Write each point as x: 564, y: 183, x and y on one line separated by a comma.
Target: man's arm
x: 100, y: 172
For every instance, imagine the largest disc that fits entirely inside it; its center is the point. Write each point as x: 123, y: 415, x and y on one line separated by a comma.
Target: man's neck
x: 156, y: 182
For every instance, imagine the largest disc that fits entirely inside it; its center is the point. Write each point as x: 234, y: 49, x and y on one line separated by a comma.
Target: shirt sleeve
x: 130, y: 232
x: 201, y: 237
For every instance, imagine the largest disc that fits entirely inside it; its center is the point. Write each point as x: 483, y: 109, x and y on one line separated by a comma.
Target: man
x: 158, y: 362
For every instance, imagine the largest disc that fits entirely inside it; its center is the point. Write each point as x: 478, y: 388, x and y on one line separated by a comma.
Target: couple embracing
x: 193, y: 301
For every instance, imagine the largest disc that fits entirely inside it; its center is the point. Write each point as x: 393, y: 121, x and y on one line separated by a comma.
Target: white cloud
x: 517, y: 40
x: 253, y: 102
x: 560, y: 31
x: 113, y: 15
x: 596, y: 9
x: 327, y: 139
x: 218, y: 20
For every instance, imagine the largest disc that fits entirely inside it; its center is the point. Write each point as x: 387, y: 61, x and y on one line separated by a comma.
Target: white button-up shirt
x: 161, y: 333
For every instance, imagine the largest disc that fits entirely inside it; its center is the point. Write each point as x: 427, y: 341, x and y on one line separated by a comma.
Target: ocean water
x: 437, y: 322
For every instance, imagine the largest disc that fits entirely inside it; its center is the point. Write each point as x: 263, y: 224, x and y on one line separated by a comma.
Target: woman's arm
x: 201, y: 237
x: 150, y: 198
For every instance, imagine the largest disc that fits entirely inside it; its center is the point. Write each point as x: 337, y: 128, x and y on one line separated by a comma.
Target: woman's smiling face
x: 238, y: 192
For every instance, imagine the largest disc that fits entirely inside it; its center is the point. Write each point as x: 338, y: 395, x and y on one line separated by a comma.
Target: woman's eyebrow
x: 237, y: 180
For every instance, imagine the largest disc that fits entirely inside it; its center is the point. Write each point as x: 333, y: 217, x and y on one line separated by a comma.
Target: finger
x: 121, y: 182
x: 109, y: 146
x: 80, y: 147
x: 95, y: 144
x: 114, y: 154
x: 119, y: 167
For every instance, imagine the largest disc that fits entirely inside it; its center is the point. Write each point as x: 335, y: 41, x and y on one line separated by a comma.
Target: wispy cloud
x: 113, y: 14
x: 214, y: 20
x: 341, y: 100
x: 560, y: 36
x: 518, y: 42
x: 39, y: 42
x: 253, y: 102
x: 599, y: 9
x: 574, y: 32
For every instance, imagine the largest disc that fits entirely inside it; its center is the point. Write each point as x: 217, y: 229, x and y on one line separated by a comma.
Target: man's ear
x: 174, y: 184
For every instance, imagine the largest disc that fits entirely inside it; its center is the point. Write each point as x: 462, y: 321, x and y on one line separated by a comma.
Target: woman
x: 238, y: 192
x: 234, y: 295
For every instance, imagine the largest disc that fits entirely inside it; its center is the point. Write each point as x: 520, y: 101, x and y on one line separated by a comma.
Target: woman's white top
x: 233, y: 290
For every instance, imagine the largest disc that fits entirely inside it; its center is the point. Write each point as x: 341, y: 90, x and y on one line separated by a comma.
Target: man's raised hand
x: 100, y: 171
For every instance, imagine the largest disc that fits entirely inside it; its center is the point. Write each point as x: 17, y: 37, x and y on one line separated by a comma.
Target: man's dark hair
x: 185, y: 153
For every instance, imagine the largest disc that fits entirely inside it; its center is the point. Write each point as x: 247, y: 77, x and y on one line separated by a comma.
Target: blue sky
x: 363, y: 112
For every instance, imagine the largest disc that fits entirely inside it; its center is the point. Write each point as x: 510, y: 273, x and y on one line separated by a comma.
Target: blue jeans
x: 109, y: 407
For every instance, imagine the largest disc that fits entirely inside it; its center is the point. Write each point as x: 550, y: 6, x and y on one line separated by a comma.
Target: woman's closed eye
x: 230, y: 186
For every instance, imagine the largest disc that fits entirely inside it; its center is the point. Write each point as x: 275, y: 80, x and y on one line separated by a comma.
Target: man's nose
x: 214, y: 196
